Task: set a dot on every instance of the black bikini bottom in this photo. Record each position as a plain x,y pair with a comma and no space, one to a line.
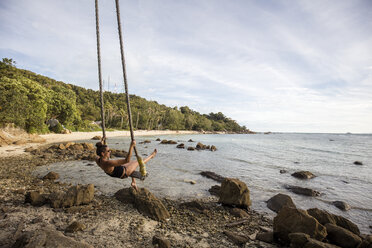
118,172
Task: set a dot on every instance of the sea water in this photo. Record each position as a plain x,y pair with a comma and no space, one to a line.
255,159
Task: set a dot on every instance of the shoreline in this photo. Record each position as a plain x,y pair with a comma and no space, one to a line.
51,138
106,221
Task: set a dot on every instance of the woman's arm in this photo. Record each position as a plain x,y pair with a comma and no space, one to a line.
130,152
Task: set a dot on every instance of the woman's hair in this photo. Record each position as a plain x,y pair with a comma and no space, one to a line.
100,148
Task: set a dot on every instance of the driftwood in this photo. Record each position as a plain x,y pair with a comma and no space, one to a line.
239,222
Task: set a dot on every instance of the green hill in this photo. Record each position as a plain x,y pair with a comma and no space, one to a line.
28,100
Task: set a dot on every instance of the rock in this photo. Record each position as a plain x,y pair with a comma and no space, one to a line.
278,201
35,198
76,147
29,149
341,205
267,237
88,146
90,157
238,212
49,238
158,139
190,148
234,192
61,146
342,237
282,171
172,142
302,240
189,181
193,205
292,220
324,217
236,238
161,242
190,140
125,196
215,190
146,141
347,224
75,226
145,202
68,144
303,175
212,175
20,142
66,131
118,153
358,163
200,146
182,145
213,148
97,138
366,243
303,191
51,176
75,196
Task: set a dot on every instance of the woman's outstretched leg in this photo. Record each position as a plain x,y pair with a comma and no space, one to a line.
132,166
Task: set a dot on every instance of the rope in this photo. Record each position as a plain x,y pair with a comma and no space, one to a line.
139,159
100,75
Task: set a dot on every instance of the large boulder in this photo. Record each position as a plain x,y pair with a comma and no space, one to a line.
303,174
324,217
292,220
145,202
49,238
75,196
302,240
278,201
234,192
342,237
366,243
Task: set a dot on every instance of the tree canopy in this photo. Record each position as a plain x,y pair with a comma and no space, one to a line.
29,100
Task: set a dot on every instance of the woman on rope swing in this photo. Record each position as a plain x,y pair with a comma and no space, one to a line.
120,168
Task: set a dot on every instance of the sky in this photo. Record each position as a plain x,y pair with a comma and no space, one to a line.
273,65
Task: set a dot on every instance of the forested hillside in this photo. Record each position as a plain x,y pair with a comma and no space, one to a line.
28,100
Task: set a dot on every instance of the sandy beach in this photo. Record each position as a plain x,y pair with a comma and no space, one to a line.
18,148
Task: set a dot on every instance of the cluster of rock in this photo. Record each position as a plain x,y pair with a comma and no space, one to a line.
71,151
304,175
199,145
74,196
312,227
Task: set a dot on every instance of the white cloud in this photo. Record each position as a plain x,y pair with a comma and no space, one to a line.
299,66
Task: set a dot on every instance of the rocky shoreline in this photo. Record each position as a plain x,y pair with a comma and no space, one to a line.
105,221
37,212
